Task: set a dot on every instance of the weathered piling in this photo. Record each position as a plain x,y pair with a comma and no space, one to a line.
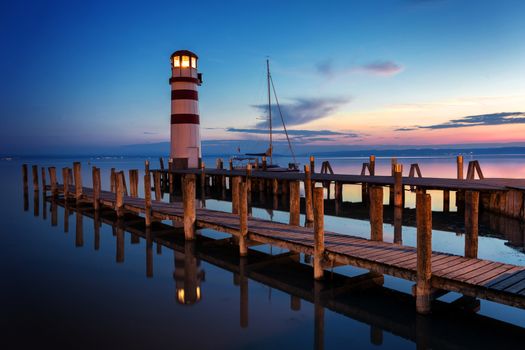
243,216
25,177
459,163
372,165
133,182
188,201
78,180
424,252
34,168
318,232
471,223
119,201
113,181
398,185
312,164
158,189
171,178
275,187
53,179
249,178
376,213
309,210
147,199
43,174
235,194
96,188
446,201
295,203
65,180
264,163
146,167
202,179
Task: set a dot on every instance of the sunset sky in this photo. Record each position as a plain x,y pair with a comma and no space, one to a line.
95,73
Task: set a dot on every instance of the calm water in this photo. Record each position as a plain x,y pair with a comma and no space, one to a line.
109,288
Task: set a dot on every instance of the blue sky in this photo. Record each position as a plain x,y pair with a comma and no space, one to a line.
93,74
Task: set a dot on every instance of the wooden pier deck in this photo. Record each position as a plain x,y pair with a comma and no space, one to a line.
503,283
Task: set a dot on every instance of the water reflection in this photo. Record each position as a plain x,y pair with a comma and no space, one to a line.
188,275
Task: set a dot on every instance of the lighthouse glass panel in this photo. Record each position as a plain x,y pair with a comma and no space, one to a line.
185,61
193,62
176,61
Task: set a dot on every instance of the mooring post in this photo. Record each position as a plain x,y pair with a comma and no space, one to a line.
275,187
146,167
398,185
318,232
203,178
308,194
158,190
147,198
235,194
338,192
188,199
312,164
25,177
446,201
393,162
424,251
249,178
43,171
65,180
264,163
243,214
34,168
96,188
78,180
171,179
372,165
376,213
134,182
459,162
53,179
113,181
471,223
119,202
295,203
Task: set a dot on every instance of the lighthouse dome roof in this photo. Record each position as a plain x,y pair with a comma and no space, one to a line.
184,52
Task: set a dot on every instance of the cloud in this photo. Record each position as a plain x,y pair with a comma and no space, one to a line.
303,110
385,68
296,132
502,118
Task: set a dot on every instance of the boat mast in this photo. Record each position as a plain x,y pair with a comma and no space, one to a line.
269,109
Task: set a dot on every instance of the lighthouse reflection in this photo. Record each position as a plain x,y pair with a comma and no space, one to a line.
188,275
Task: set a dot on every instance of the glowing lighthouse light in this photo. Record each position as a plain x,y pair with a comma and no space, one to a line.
185,124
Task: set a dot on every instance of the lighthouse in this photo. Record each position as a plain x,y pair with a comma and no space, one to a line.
185,151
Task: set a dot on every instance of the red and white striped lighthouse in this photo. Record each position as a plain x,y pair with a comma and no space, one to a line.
185,125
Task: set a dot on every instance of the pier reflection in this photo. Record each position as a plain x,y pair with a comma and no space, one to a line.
362,298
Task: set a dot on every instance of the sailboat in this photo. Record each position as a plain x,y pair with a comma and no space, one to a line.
253,157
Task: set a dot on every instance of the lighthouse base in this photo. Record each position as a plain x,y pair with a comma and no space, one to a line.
185,163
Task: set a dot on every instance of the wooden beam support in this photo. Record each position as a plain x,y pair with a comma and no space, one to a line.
318,232
235,194
459,164
295,206
34,168
308,194
243,217
96,187
471,224
424,252
119,203
147,199
188,199
53,178
376,213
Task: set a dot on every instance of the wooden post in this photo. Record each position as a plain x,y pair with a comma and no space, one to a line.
264,163
424,251
65,180
43,170
308,194
113,181
147,199
146,167
203,178
124,183
243,214
25,177
119,202
312,164
249,177
338,192
398,185
133,182
78,180
372,165
53,178
275,186
35,177
158,190
188,199
376,213
295,203
235,194
446,201
471,223
459,162
171,179
318,232
96,188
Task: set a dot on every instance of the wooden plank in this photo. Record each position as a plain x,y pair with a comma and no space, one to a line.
507,278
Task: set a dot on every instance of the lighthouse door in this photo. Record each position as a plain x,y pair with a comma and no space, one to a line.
193,157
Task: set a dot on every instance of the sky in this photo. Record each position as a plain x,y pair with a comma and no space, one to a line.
84,75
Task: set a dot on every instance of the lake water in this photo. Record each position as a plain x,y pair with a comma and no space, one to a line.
110,288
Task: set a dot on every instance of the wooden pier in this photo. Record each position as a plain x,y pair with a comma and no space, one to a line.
434,273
